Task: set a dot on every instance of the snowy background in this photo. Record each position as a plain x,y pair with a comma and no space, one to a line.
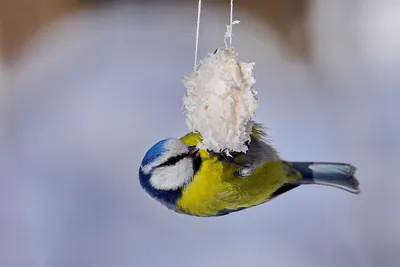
94,91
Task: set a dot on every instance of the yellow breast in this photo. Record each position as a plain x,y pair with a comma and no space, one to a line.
214,188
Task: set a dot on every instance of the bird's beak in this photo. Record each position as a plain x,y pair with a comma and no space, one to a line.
193,150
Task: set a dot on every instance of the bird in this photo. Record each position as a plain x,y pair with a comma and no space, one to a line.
194,181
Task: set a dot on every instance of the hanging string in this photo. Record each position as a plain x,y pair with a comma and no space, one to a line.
228,34
197,34
229,29
231,26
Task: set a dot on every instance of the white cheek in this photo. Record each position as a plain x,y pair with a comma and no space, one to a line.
172,177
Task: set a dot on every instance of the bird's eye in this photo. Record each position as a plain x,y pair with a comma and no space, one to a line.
173,160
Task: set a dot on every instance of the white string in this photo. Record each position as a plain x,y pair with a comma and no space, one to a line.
229,29
197,34
228,33
231,25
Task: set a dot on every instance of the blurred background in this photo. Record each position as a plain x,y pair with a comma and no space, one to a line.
86,87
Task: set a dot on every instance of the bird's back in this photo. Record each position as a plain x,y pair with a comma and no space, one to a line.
215,190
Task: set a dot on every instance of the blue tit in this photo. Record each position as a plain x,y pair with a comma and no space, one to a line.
197,182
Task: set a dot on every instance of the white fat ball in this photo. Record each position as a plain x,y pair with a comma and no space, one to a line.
220,101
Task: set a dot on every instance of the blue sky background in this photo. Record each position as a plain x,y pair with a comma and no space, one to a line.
94,91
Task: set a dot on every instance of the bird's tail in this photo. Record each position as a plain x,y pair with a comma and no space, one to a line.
340,175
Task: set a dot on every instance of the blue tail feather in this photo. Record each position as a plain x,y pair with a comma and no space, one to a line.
340,175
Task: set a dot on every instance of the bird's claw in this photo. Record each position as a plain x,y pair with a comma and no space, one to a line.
231,160
243,170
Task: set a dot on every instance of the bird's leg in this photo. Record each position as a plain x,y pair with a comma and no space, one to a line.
212,153
244,170
224,157
231,160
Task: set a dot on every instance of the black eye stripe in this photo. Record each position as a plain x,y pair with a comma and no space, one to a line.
173,160
196,164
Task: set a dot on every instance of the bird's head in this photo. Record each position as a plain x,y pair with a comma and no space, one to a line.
167,167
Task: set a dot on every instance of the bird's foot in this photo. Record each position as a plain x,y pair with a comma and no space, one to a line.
231,160
244,170
224,157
